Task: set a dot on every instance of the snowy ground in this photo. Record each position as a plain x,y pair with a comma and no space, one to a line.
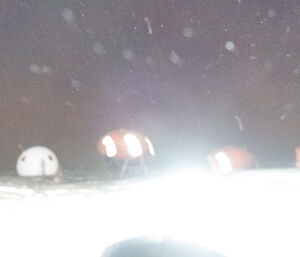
242,214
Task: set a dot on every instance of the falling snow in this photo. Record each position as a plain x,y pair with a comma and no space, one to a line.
69,104
149,60
283,117
128,54
149,26
98,48
229,45
76,84
68,15
268,65
188,32
271,13
240,122
24,100
263,21
36,69
46,69
288,107
224,50
174,58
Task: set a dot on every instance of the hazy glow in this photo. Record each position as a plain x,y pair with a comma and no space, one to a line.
150,146
134,145
110,146
223,161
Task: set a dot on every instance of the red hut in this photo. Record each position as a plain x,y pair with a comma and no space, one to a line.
231,158
125,146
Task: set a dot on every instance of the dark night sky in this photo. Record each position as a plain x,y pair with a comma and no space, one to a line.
72,70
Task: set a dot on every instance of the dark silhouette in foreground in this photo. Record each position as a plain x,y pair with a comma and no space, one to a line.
157,247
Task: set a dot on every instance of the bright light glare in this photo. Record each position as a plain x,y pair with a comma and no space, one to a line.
134,145
224,214
110,146
223,161
150,146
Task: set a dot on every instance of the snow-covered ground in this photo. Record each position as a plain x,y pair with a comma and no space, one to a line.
241,214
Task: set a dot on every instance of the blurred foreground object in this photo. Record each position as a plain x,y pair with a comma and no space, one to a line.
38,161
126,149
157,247
231,158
